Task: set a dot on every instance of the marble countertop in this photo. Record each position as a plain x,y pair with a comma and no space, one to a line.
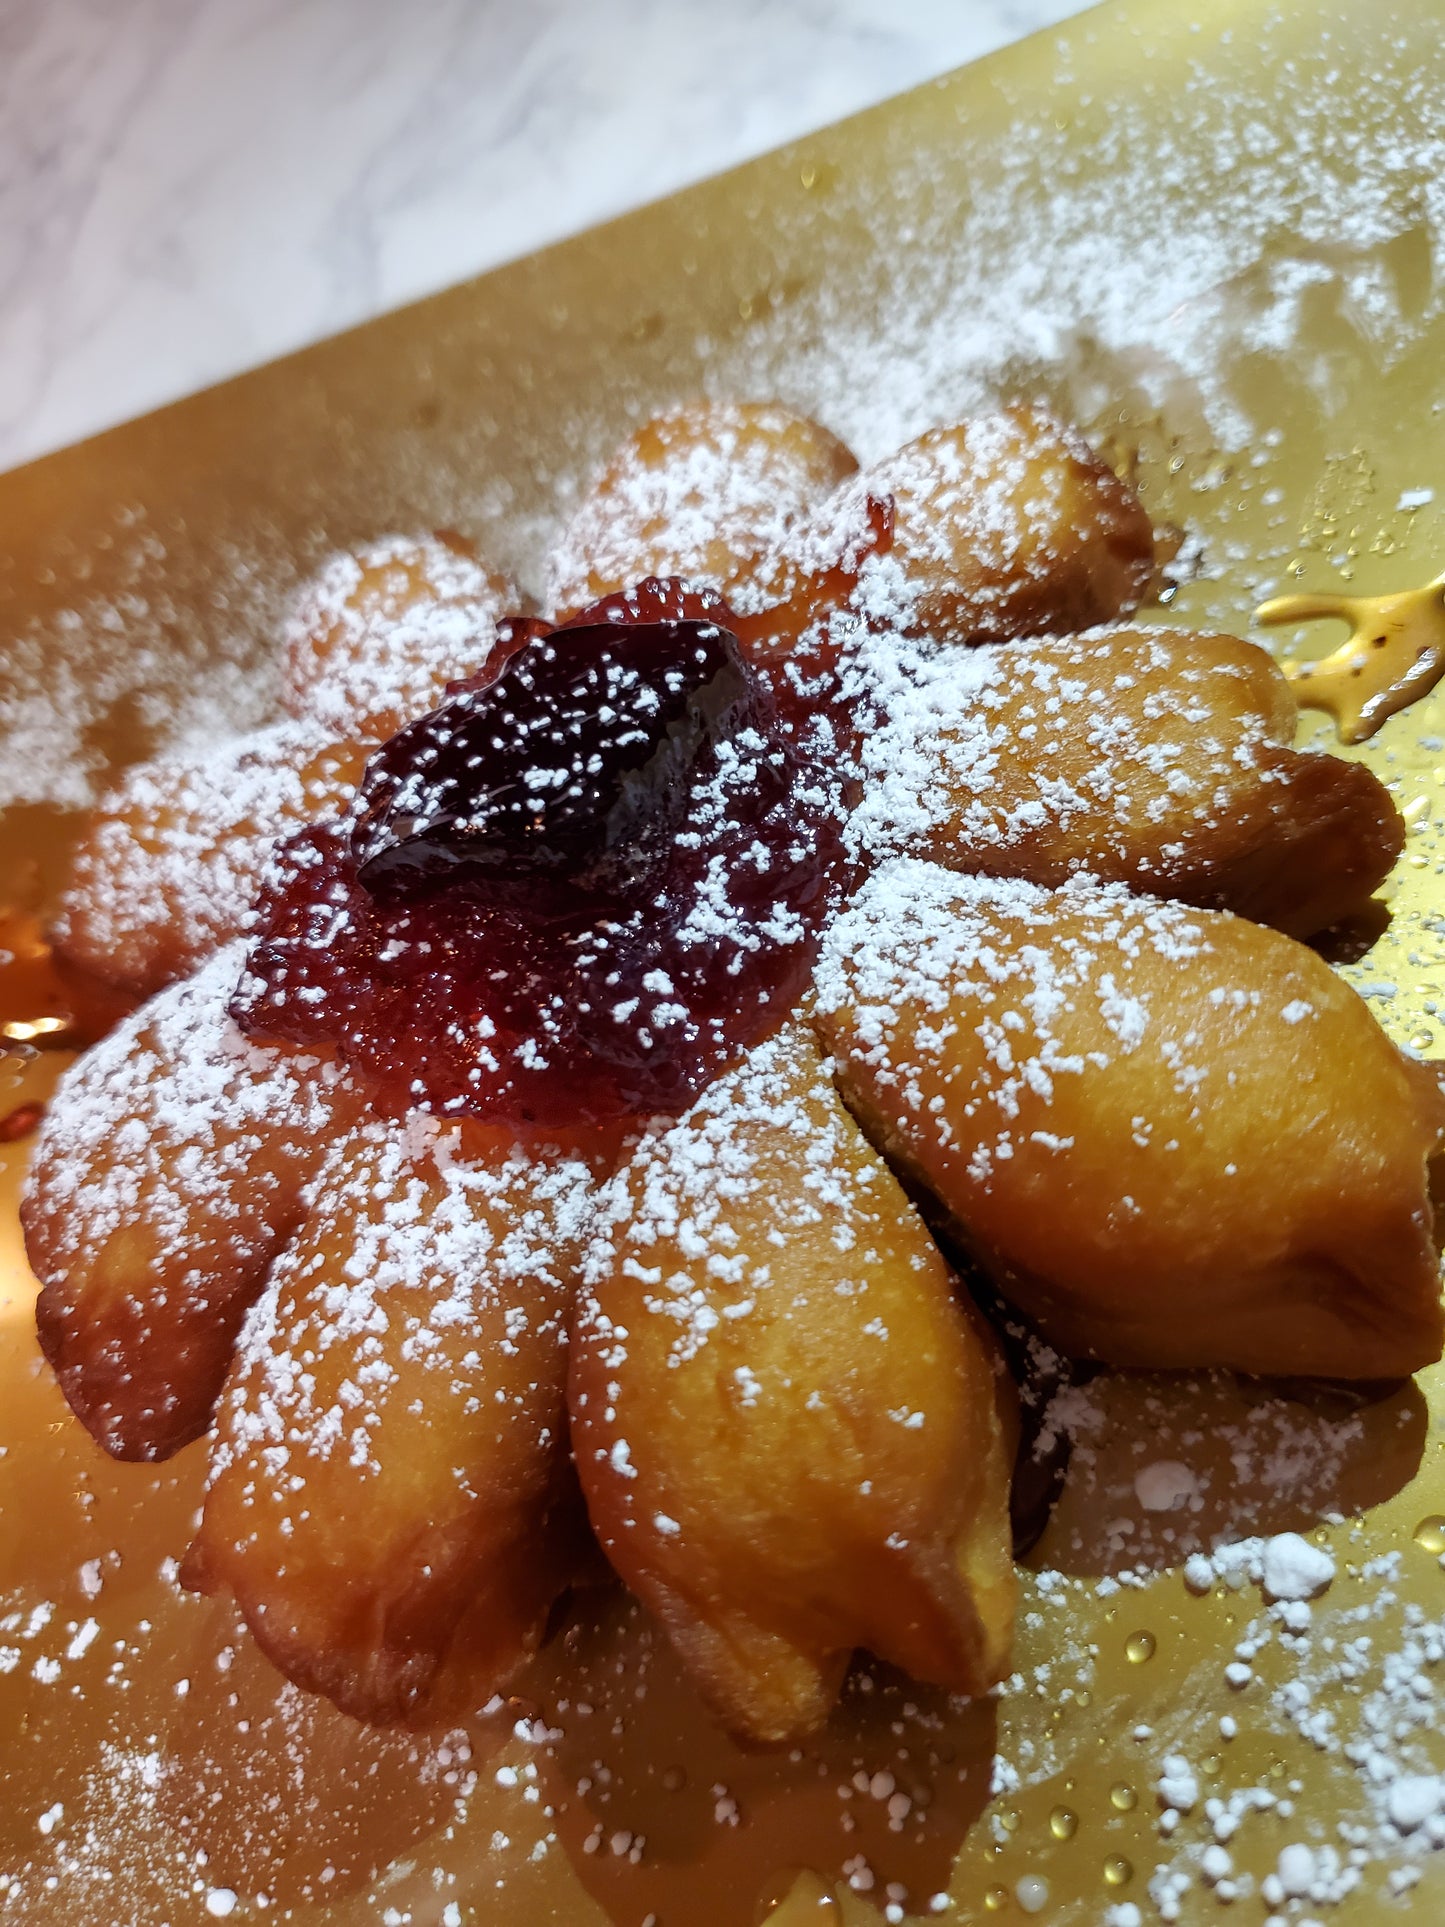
191,187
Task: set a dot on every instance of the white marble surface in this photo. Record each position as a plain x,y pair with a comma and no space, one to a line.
190,187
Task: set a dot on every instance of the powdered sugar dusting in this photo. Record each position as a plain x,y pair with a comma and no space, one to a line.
916,936
164,1118
1108,266
689,1182
139,652
375,635
174,859
973,754
435,1245
1255,216
1092,265
1295,1764
696,511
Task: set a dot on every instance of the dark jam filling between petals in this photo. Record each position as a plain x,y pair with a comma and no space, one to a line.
575,891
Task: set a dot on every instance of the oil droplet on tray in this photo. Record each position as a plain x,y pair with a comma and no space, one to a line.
996,1899
1063,1823
1138,1647
1118,1872
1122,1797
1430,1533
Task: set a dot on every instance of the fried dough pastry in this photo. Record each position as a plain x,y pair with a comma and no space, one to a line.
390,1500
790,1436
1008,525
1172,1137
172,861
703,492
169,1173
377,633
1152,758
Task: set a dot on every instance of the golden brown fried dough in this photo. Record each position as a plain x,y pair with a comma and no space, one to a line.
1152,758
788,1432
169,1172
1173,1137
375,637
702,492
1009,525
391,1501
172,860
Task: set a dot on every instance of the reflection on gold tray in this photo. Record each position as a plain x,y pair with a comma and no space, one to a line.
1173,230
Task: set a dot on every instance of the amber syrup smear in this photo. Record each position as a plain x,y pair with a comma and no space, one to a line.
1395,654
44,1002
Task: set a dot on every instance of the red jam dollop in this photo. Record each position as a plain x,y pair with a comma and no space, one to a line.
575,891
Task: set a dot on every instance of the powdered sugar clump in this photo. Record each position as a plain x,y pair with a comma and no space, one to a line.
1165,1485
1292,1568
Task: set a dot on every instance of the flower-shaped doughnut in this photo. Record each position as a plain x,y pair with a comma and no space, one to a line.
547,1146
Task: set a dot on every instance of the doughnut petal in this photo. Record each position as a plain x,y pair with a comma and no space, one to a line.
376,635
1008,525
391,1501
701,492
792,1439
172,860
1174,1138
169,1172
1152,758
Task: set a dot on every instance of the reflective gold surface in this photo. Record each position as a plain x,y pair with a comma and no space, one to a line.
147,1755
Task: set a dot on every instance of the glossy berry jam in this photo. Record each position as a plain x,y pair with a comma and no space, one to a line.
567,776
574,891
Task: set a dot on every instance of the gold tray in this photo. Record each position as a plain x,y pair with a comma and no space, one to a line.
1213,242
